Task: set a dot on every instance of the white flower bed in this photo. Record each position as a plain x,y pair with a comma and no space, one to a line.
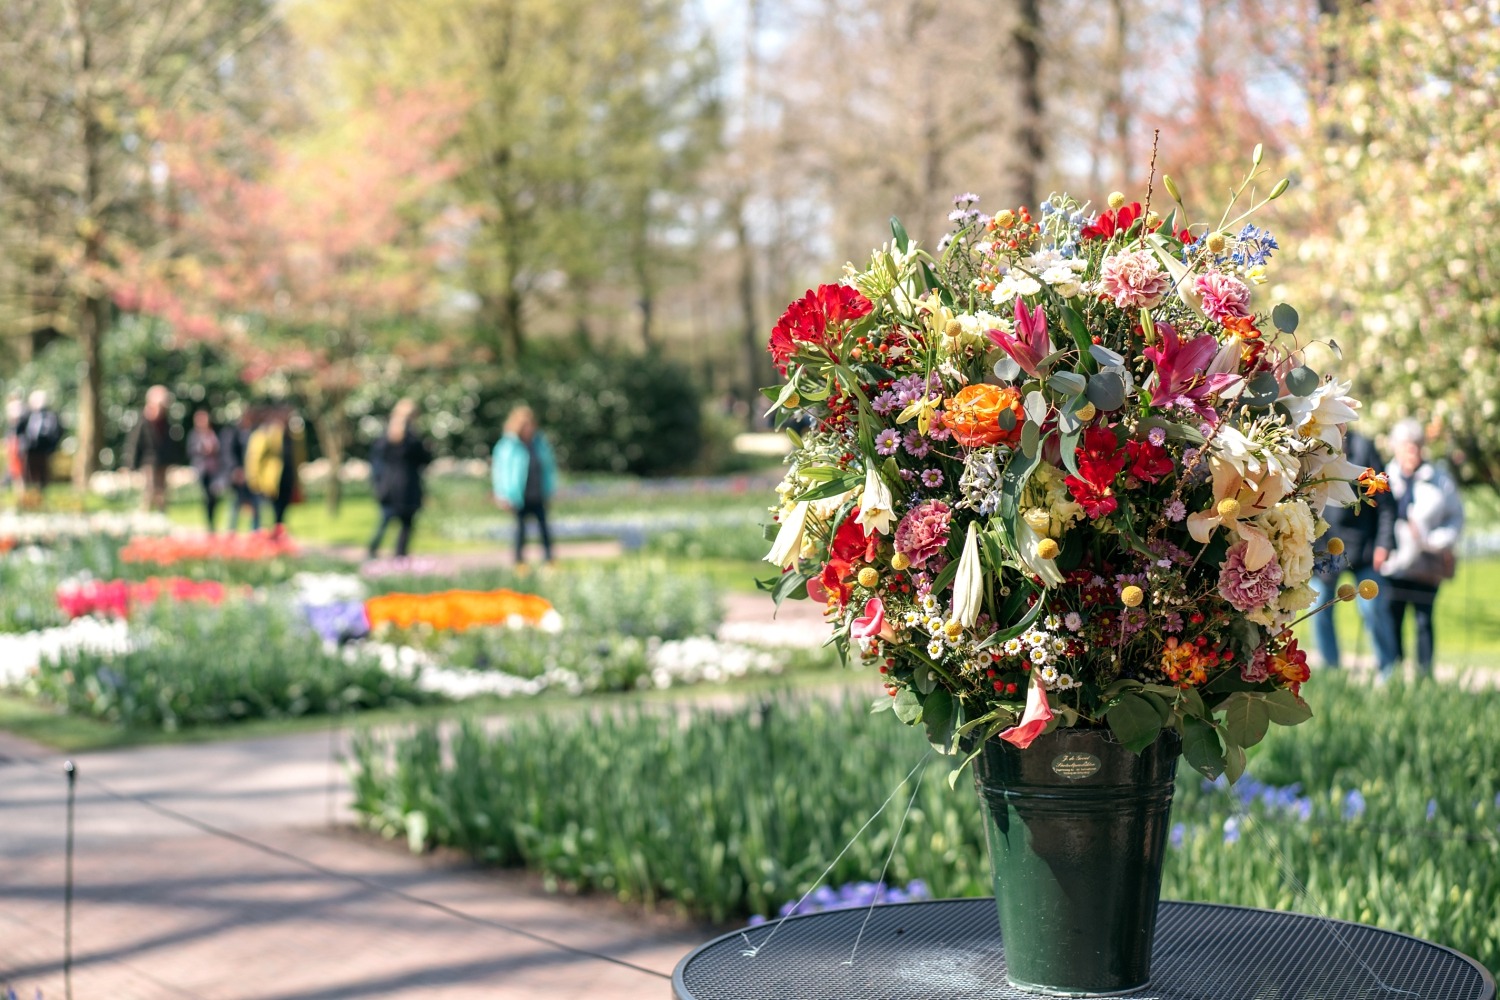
22,652
38,528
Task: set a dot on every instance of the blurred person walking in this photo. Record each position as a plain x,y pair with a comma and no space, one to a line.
206,456
1421,542
40,436
233,441
15,456
396,464
1359,528
524,476
149,446
276,452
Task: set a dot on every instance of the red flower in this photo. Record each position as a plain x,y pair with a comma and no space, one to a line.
849,545
807,319
1111,222
1148,462
1099,462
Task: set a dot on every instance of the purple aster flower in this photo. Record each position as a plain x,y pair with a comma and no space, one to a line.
1175,511
916,444
887,441
932,478
1157,436
940,432
907,475
1171,622
969,198
884,403
1073,621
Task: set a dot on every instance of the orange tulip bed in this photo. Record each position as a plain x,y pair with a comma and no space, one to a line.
457,610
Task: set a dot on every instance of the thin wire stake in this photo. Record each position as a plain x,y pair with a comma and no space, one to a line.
880,882
72,772
754,949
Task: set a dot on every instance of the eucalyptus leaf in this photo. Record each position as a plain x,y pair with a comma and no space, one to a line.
1284,318
1068,383
1106,390
1036,407
1068,422
1006,369
1007,420
1302,381
1031,439
1105,356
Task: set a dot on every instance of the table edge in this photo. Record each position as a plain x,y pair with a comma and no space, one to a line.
680,991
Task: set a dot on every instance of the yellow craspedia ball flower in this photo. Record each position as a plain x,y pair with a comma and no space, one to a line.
1132,596
1229,507
1335,546
1369,589
954,329
1215,242
900,561
1116,200
1152,220
953,630
1047,548
1005,219
869,577
1346,592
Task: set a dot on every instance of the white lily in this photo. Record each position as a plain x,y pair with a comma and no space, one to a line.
788,544
968,584
875,506
1029,538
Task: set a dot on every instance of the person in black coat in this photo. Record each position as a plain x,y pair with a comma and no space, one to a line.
1361,528
396,464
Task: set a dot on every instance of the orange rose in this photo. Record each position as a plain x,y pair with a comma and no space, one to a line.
974,415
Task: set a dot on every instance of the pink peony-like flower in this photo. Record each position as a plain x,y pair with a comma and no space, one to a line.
1224,296
1135,280
923,532
1259,667
1246,589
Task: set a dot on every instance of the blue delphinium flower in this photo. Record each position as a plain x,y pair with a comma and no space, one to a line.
1354,805
1253,246
1432,810
1232,830
1177,836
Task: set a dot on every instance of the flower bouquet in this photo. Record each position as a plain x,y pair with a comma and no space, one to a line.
1068,471
1063,477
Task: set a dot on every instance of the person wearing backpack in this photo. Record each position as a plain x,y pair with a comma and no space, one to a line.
40,437
276,451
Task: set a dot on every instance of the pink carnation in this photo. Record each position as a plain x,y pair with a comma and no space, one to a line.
1259,667
1135,280
1224,296
923,532
1245,589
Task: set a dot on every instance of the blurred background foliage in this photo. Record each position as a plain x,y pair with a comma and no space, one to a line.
600,206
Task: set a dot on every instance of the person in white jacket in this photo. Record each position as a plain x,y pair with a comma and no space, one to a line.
1417,550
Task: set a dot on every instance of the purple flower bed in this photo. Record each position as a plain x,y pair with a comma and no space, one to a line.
853,896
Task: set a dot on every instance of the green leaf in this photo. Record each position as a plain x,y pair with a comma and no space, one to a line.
1068,383
1078,331
1234,763
1106,390
1302,381
1007,420
1286,709
899,232
1106,357
1200,745
1016,474
1134,721
1284,318
1006,369
1031,439
1245,719
1036,407
1004,635
832,488
1068,445
792,585
938,715
908,707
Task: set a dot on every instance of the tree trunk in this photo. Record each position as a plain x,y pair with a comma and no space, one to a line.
753,344
1026,124
331,439
90,427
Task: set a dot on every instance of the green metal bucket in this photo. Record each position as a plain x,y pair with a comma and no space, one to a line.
1077,832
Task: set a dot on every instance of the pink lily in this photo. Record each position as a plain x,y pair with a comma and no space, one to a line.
1182,377
873,624
1029,344
1038,713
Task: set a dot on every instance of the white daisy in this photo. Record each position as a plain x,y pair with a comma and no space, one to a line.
1038,655
935,648
1013,646
1049,676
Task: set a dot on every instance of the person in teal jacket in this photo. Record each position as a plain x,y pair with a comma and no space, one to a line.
524,475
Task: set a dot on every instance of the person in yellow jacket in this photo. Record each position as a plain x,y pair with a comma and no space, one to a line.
276,450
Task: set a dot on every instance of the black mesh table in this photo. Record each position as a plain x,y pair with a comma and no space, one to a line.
951,950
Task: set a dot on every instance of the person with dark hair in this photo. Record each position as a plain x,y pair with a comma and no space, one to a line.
1358,527
206,456
40,437
524,475
233,441
396,464
1421,539
149,446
